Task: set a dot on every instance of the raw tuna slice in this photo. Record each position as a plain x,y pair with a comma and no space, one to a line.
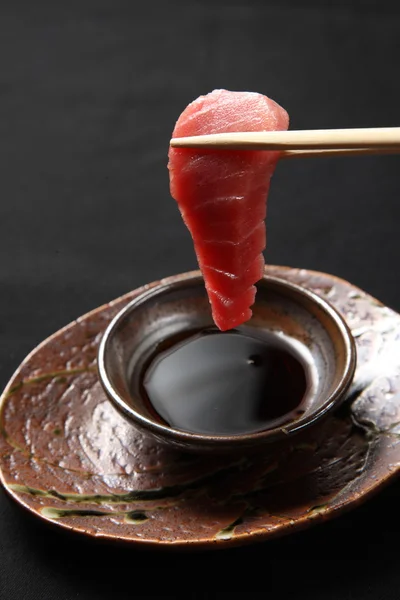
222,196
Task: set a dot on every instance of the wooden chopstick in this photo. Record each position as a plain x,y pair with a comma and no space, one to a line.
339,152
369,139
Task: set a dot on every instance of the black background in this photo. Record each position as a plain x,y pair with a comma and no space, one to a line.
89,93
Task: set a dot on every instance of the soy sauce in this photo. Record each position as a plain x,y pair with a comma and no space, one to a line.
226,383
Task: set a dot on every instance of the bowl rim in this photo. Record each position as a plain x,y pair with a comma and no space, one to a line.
187,438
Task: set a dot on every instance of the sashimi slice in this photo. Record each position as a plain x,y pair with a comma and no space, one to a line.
232,257
233,284
233,309
222,197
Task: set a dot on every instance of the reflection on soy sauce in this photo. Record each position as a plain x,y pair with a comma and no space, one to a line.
226,383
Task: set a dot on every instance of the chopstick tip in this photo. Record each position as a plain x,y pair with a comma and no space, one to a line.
174,143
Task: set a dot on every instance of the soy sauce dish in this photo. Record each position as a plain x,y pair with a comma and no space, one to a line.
170,372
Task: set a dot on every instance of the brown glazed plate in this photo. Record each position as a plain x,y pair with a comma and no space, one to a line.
71,459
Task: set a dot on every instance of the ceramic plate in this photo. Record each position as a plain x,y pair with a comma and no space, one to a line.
68,457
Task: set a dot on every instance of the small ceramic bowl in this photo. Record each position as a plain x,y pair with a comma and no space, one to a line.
180,306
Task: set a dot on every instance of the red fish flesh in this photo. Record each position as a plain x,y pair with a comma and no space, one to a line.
222,197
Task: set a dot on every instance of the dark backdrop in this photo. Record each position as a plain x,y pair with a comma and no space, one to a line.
89,93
